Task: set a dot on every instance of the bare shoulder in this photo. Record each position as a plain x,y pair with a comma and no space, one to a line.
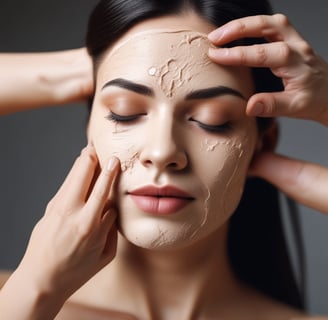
259,306
4,275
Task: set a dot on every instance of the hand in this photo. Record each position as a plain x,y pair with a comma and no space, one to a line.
77,235
288,55
305,182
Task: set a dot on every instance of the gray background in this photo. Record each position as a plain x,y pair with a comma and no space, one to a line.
38,147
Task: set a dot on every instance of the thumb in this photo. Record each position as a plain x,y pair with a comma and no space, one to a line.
271,104
303,181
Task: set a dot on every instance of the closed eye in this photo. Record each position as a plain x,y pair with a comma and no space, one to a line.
114,117
221,128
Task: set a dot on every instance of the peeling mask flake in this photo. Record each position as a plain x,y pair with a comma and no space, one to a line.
173,65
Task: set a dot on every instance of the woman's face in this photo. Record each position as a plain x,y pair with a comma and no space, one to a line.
177,122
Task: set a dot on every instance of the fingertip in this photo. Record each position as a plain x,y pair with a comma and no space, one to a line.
112,163
256,109
212,36
216,35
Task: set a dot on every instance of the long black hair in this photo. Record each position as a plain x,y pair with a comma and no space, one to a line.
257,247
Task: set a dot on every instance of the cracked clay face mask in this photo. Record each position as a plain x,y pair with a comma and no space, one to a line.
176,119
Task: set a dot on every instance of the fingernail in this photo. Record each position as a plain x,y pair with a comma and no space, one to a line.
216,35
257,110
111,164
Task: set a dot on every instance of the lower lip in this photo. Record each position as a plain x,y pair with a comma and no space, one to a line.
160,205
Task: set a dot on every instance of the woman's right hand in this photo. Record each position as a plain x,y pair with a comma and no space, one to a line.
75,238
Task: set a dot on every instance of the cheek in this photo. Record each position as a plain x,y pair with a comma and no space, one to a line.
109,140
222,173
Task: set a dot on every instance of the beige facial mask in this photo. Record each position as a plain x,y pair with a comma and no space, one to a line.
173,63
174,59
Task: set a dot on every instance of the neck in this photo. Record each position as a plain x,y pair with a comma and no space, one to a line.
168,284
179,280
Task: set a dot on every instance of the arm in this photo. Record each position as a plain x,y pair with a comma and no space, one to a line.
29,80
73,241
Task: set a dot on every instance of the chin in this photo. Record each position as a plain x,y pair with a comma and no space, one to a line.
161,233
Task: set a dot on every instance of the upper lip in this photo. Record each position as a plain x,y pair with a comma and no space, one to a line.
165,191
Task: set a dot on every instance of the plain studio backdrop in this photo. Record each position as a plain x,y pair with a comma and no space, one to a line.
38,147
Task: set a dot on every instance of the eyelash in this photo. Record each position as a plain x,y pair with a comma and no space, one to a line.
118,118
222,128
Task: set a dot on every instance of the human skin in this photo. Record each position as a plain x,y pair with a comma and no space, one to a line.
30,80
108,291
288,55
150,276
304,74
167,146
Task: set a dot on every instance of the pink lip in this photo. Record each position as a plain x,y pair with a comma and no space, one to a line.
164,200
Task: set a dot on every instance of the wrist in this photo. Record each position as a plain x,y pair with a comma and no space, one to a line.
71,78
31,80
35,301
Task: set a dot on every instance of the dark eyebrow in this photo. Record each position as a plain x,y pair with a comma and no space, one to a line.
129,85
213,92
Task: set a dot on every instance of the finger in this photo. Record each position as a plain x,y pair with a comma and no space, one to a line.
305,182
274,28
77,182
108,221
268,55
101,192
110,247
273,104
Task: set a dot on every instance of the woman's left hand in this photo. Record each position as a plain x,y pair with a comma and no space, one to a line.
288,55
305,78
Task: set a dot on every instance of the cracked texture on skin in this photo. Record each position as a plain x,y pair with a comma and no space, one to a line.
129,163
180,68
178,65
172,64
235,153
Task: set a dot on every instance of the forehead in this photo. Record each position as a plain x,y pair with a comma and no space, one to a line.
168,60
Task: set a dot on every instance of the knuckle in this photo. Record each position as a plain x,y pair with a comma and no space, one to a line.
270,106
261,54
240,54
261,21
285,52
83,229
241,27
306,51
281,19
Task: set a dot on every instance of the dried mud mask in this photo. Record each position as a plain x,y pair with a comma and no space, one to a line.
172,58
172,64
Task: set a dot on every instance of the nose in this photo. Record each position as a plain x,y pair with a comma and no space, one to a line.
163,149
